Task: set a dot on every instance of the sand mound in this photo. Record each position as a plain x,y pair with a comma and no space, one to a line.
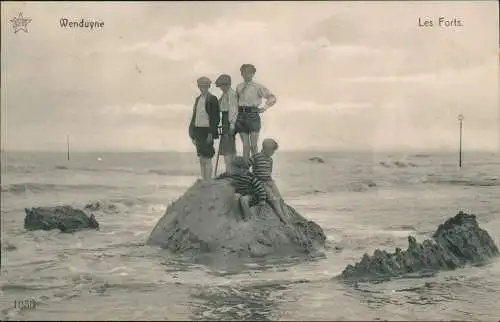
207,219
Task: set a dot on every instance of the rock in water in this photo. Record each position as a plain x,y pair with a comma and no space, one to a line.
317,159
100,206
456,243
208,219
65,218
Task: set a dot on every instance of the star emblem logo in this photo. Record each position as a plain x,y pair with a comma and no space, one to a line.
20,23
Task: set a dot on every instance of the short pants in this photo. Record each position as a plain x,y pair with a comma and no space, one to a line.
203,149
248,120
227,141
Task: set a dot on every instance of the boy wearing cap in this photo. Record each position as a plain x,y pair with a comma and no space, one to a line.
203,126
262,168
228,103
250,95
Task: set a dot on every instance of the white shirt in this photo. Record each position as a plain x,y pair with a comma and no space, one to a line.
201,118
229,103
252,93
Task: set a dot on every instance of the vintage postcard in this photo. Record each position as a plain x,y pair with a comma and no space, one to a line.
268,160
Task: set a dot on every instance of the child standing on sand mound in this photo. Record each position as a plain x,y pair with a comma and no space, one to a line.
250,95
203,126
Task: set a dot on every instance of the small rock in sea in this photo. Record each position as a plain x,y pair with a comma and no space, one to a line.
8,246
400,164
317,159
99,206
65,218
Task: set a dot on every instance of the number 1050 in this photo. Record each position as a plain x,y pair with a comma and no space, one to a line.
27,304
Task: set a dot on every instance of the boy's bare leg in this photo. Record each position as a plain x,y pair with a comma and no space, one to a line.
279,211
275,189
206,168
275,201
254,142
227,161
277,195
245,140
248,212
202,167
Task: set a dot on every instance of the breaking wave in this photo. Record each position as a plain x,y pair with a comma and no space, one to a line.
471,182
33,187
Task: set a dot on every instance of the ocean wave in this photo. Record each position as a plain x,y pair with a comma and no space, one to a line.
87,169
164,172
35,187
471,182
397,164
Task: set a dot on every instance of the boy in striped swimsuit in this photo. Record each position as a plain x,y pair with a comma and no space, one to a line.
249,190
262,167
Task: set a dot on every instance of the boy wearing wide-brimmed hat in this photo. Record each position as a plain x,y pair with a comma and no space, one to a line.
250,95
203,126
228,103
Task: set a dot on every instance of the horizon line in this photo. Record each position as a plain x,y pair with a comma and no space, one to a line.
441,150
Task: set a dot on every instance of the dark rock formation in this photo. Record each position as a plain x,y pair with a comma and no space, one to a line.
208,219
65,218
317,159
103,207
456,243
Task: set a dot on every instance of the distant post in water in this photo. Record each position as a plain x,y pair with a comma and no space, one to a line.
460,119
67,143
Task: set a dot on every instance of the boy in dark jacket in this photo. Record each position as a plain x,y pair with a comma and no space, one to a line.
203,126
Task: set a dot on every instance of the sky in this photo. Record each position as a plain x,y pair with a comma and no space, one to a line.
347,75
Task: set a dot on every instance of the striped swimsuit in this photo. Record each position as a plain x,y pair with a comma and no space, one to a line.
262,166
247,184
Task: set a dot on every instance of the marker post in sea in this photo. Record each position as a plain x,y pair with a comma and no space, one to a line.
67,143
460,119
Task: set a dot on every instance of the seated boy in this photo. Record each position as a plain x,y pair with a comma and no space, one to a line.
262,167
249,189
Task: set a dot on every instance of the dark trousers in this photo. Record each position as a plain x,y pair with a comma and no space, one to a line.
203,149
227,141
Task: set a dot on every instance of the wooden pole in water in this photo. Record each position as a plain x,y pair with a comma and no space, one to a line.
67,143
460,118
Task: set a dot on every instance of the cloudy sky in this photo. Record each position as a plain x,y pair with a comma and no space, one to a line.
348,75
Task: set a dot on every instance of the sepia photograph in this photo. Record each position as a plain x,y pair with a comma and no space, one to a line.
250,161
